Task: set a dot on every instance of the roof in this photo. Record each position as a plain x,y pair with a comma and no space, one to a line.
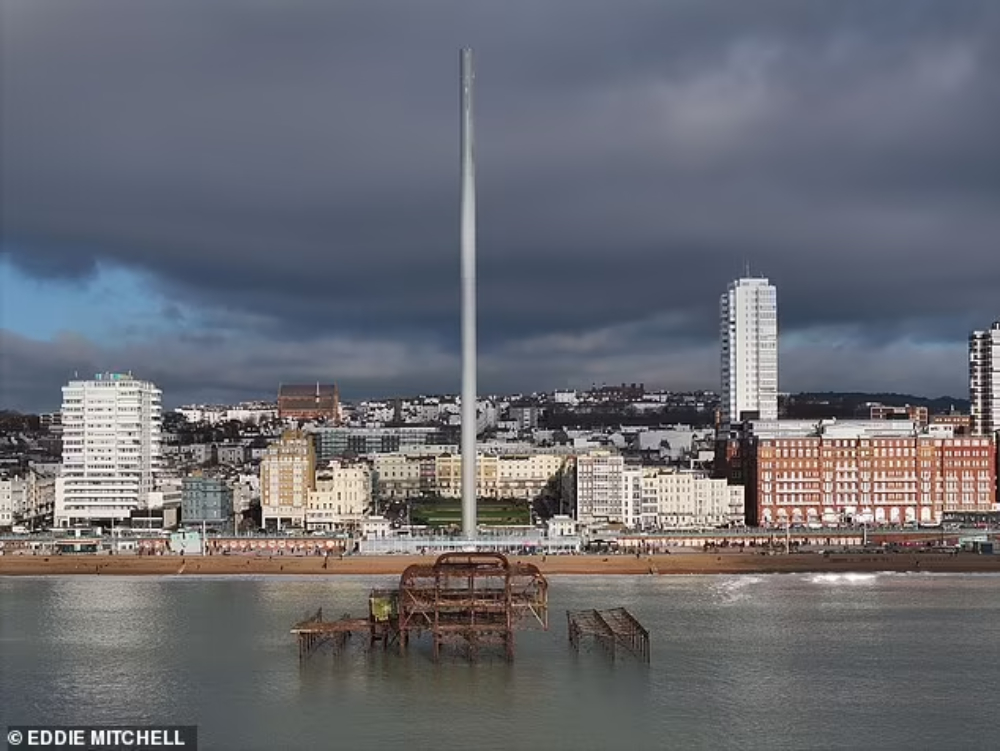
312,389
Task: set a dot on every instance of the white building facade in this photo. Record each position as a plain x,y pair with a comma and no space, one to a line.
749,339
648,498
984,380
342,498
111,449
517,476
600,481
692,500
13,491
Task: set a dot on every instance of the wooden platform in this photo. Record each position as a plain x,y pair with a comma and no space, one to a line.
313,632
344,625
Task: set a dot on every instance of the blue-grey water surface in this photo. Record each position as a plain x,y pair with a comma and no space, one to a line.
771,662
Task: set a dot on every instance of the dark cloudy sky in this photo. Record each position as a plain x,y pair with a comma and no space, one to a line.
224,195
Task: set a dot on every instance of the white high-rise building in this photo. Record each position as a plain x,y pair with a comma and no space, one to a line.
600,488
749,328
111,449
984,380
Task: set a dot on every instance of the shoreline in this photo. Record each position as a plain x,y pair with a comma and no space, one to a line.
585,565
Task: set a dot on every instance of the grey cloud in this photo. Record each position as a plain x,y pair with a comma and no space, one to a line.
225,368
298,161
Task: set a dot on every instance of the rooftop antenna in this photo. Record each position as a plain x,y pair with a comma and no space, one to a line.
468,238
746,269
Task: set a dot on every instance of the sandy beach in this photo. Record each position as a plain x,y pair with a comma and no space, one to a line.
684,563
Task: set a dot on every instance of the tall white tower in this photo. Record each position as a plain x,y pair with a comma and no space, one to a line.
749,329
468,234
984,380
111,449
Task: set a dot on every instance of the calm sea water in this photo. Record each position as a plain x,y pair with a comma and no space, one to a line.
772,662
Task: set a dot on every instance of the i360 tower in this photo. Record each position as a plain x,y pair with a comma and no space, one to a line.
468,232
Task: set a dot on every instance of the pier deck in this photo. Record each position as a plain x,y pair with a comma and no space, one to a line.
313,632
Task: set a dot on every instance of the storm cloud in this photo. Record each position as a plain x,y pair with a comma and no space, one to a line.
290,172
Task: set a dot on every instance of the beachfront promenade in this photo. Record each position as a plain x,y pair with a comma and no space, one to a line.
689,552
728,562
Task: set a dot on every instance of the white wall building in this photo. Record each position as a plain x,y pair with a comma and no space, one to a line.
111,448
646,498
40,494
749,332
600,479
168,490
560,525
342,498
693,500
13,491
246,490
632,500
565,397
984,380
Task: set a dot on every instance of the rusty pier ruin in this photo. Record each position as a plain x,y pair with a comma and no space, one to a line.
611,629
474,601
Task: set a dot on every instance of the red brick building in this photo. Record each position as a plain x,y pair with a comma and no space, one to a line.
312,402
830,478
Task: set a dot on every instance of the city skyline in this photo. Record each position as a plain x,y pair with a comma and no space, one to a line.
232,209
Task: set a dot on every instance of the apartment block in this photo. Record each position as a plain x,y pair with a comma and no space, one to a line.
840,473
111,449
685,500
600,479
504,476
206,499
399,476
40,495
648,498
984,380
287,476
748,314
13,492
342,497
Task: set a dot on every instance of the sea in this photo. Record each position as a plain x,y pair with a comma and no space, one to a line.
784,661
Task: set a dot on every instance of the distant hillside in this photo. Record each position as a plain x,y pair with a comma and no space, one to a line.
846,405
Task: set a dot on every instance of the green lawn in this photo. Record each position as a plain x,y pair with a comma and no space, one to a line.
449,512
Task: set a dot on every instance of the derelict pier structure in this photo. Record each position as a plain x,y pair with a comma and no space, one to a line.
473,601
614,630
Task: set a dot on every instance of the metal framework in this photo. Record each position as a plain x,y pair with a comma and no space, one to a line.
475,599
611,629
313,632
472,599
